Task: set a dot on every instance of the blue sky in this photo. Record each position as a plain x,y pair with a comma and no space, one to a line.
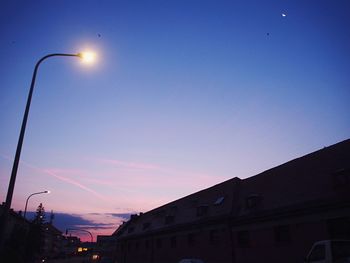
183,95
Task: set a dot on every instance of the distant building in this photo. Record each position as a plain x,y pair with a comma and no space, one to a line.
25,242
274,216
53,241
70,245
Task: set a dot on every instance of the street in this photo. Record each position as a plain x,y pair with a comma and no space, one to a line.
69,260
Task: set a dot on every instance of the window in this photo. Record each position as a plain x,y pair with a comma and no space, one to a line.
219,201
159,213
202,210
243,238
214,236
341,179
191,239
253,201
282,234
317,253
173,242
159,243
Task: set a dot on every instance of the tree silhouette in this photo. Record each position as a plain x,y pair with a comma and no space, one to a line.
39,218
36,234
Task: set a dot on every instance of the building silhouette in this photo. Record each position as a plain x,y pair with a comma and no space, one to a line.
274,216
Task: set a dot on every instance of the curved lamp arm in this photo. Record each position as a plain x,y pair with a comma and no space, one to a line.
76,229
38,193
23,127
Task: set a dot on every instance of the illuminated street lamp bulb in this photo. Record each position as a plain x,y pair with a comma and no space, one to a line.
47,191
87,57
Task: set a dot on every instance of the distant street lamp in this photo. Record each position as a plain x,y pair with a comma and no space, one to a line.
88,57
38,193
77,229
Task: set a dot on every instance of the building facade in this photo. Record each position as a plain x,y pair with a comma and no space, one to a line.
53,241
274,216
15,237
105,245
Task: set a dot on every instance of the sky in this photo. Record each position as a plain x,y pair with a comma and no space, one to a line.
182,95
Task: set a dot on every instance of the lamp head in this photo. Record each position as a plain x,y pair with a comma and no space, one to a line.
87,57
47,192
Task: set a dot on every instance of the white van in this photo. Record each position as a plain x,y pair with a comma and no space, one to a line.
329,251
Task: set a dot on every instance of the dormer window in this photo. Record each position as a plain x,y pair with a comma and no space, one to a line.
160,213
253,201
341,179
219,200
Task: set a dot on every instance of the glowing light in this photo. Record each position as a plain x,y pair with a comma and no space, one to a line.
283,14
47,191
88,57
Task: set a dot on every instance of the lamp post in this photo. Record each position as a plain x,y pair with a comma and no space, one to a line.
76,229
6,208
38,193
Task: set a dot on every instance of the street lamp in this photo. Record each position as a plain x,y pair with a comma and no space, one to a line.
85,57
38,193
76,229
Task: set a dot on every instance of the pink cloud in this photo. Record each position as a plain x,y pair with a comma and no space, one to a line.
153,175
73,182
153,185
139,185
54,173
99,181
66,172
